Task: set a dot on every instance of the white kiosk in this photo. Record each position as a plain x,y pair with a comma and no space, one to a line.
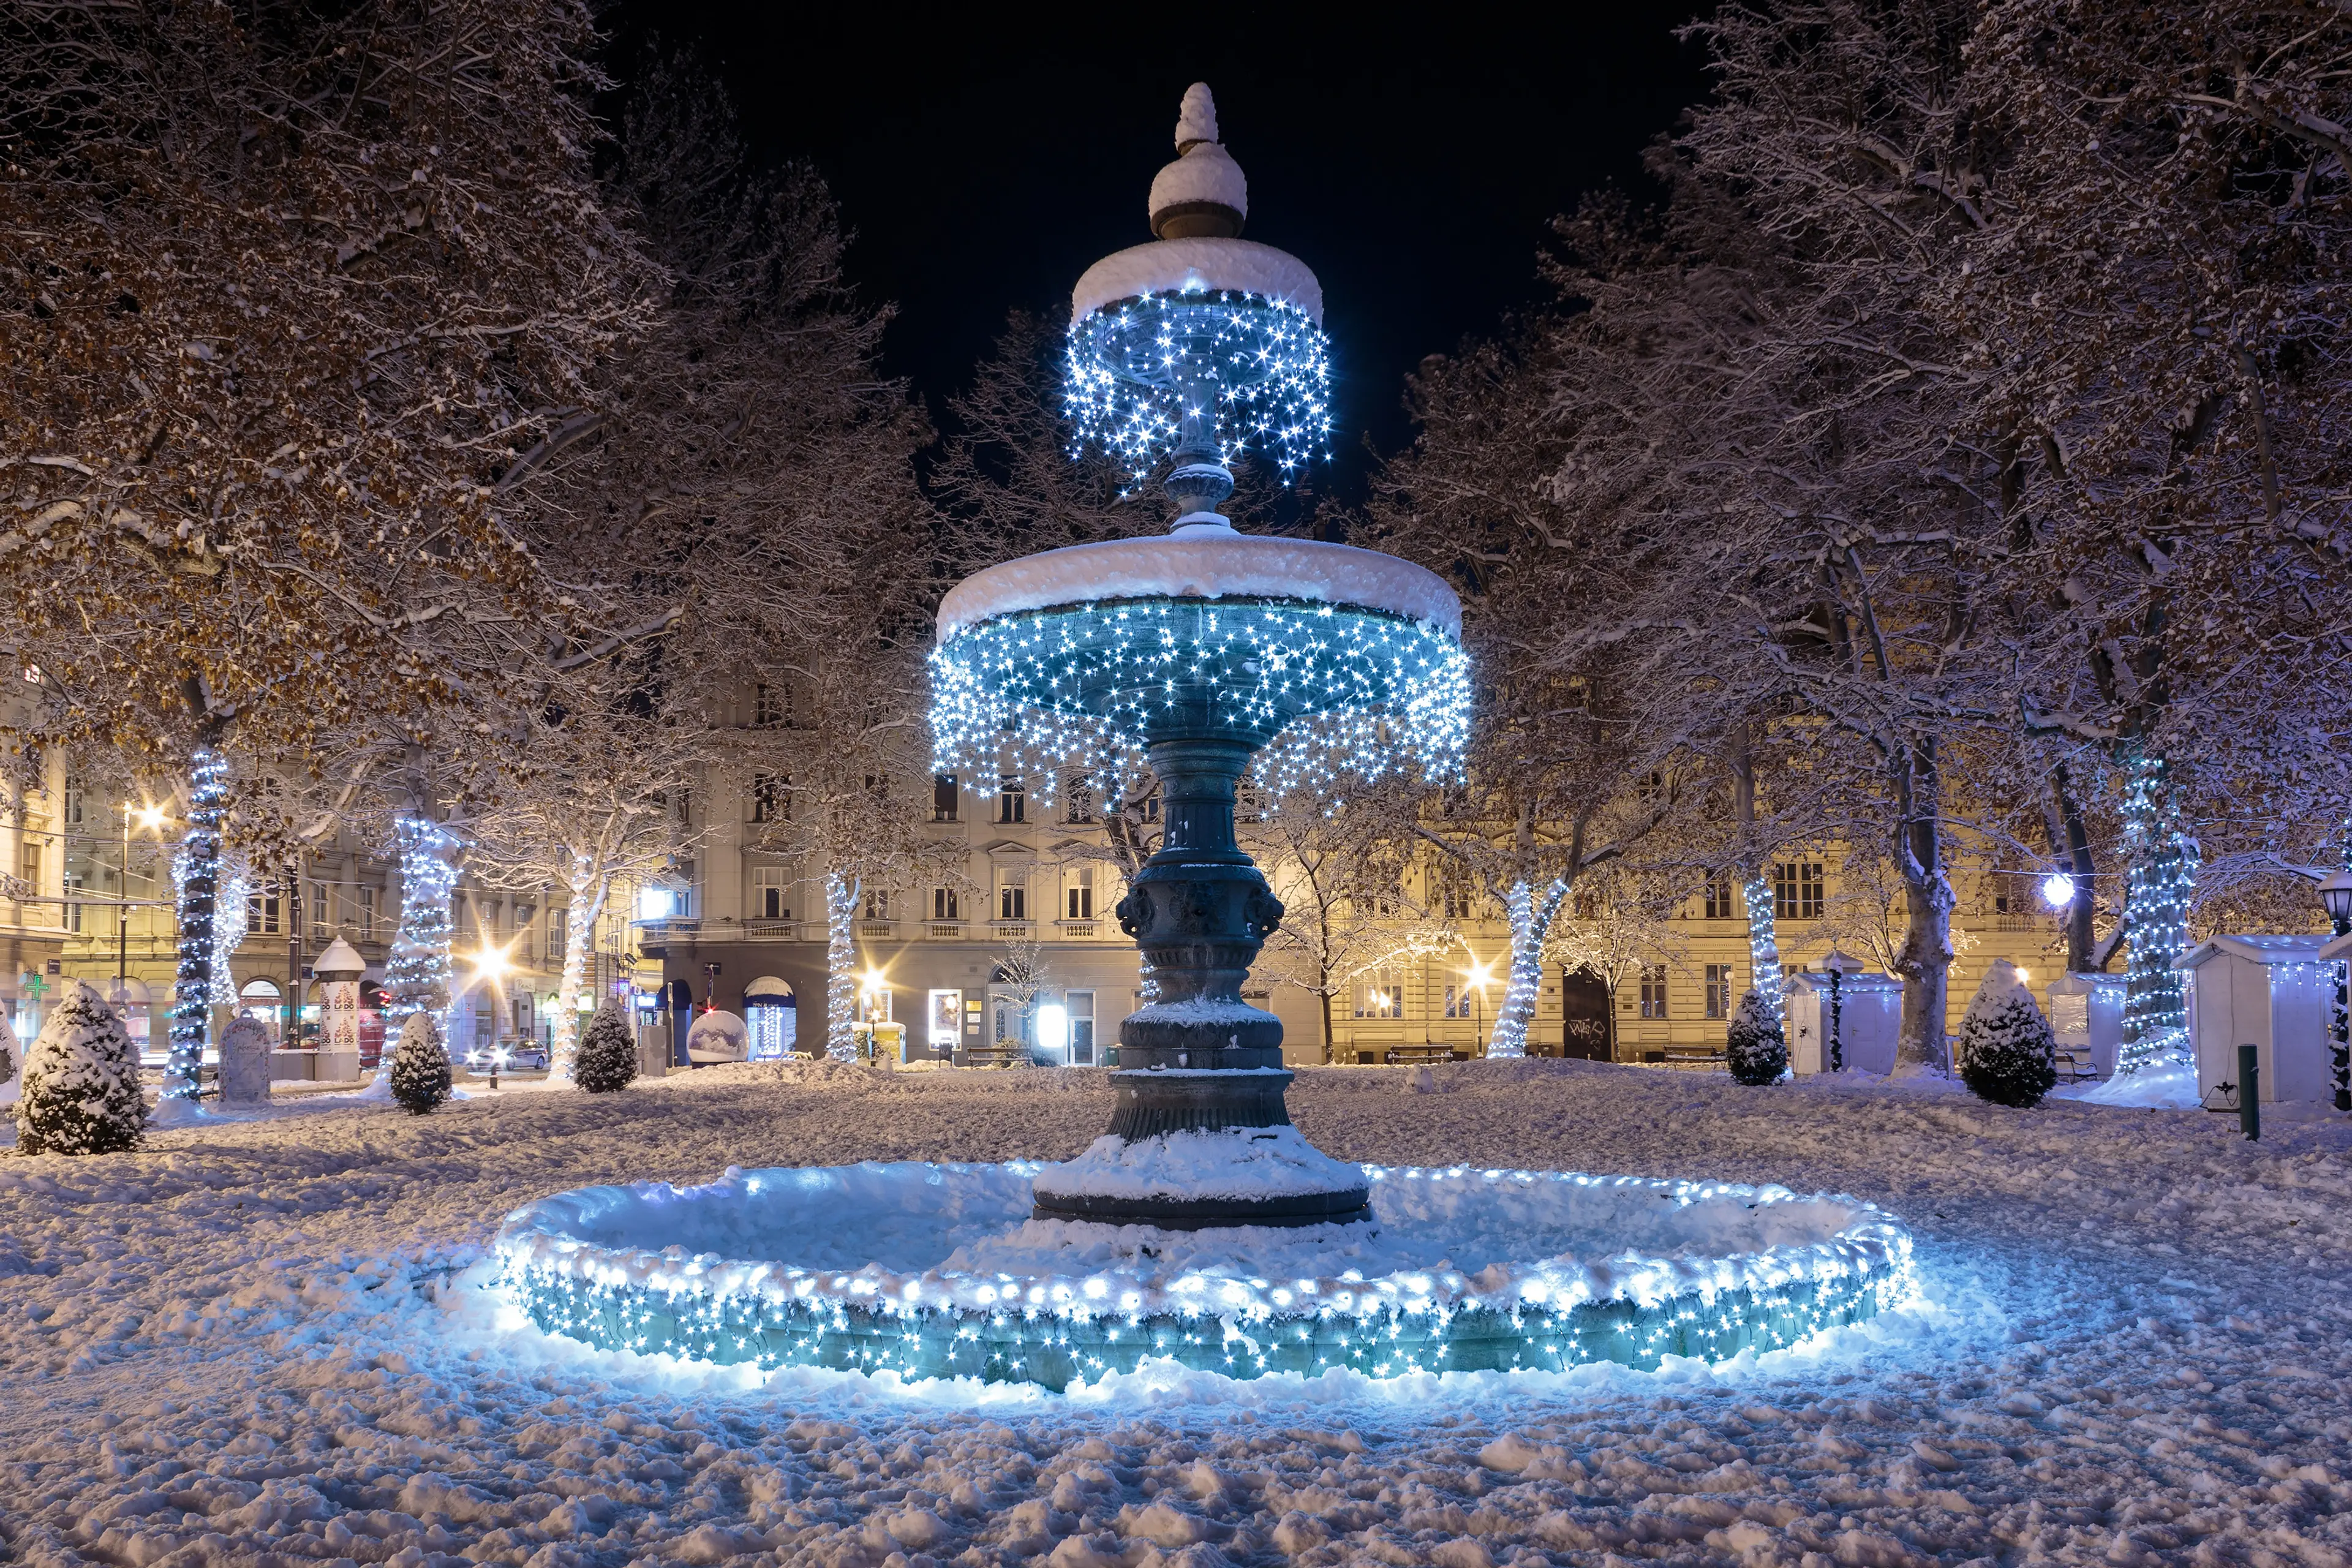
2086,1022
2273,992
1867,1010
339,972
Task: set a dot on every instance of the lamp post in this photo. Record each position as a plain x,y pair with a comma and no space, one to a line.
2336,896
1477,974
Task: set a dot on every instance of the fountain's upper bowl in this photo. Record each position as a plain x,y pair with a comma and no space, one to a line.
1198,266
1198,563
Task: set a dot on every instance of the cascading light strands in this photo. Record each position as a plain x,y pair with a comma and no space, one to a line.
1066,689
1258,369
416,974
195,871
2162,880
578,1266
1764,945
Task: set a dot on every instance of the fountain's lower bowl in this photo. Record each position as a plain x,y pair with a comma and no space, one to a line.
925,1270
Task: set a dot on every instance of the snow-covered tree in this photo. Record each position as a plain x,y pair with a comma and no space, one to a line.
2007,1052
420,1065
1755,1046
82,1081
608,1055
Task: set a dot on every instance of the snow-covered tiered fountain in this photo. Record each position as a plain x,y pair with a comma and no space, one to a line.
1202,1228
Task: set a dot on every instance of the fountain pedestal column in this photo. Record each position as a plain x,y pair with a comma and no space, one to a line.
1199,1060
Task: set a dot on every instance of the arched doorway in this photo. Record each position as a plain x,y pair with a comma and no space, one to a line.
772,1013
261,1001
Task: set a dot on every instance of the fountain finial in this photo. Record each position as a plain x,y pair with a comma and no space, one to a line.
1201,194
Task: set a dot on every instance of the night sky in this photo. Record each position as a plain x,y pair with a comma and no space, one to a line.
983,159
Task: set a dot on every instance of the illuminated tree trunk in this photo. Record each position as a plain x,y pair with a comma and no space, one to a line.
1764,946
2163,872
840,961
197,871
416,976
578,938
1531,920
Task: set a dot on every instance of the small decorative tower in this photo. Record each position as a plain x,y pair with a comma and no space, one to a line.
1196,651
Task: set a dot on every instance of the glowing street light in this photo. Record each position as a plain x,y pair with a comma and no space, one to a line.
1478,975
2058,889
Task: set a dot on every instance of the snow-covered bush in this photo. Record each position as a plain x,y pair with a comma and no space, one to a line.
1755,1047
2007,1054
608,1057
420,1067
81,1083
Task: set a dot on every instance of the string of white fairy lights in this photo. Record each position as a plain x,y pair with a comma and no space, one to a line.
1351,693
1260,369
1000,1329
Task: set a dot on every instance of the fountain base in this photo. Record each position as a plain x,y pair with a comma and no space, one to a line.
1205,1176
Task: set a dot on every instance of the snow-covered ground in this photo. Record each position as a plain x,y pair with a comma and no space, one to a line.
259,1341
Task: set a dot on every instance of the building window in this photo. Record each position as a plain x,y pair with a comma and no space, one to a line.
943,798
261,912
28,866
1011,799
945,905
878,904
1081,1005
1653,990
1147,804
1718,898
768,797
1078,799
367,914
1250,804
1458,1003
1013,897
768,894
771,707
1078,898
322,912
1719,991
75,882
72,803
1454,897
558,930
1380,998
1797,891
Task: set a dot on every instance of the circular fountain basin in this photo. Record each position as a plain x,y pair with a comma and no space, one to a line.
936,1270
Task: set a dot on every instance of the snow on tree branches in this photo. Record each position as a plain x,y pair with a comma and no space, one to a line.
2007,1052
81,1083
608,1057
420,1066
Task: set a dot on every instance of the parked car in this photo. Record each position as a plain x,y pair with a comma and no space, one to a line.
521,1056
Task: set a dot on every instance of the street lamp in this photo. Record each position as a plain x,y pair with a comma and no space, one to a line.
2335,897
150,819
1478,974
491,966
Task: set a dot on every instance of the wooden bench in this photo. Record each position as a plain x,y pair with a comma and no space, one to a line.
1002,1054
1684,1054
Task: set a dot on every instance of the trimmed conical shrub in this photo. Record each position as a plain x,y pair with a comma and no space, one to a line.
1755,1047
2007,1054
608,1057
420,1067
81,1083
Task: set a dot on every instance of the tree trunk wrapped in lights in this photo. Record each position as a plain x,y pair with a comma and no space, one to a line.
416,975
2162,878
841,895
1531,916
196,877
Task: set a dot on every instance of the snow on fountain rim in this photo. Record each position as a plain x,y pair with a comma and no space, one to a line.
1082,1270
1198,266
1202,563
1245,1162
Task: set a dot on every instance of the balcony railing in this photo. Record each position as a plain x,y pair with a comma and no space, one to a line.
1076,928
878,928
944,931
772,931
1010,930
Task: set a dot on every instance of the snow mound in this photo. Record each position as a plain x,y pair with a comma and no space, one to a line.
1202,565
1196,117
1198,266
1255,1162
2172,1088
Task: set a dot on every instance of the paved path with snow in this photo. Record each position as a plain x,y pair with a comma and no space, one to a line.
250,1344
